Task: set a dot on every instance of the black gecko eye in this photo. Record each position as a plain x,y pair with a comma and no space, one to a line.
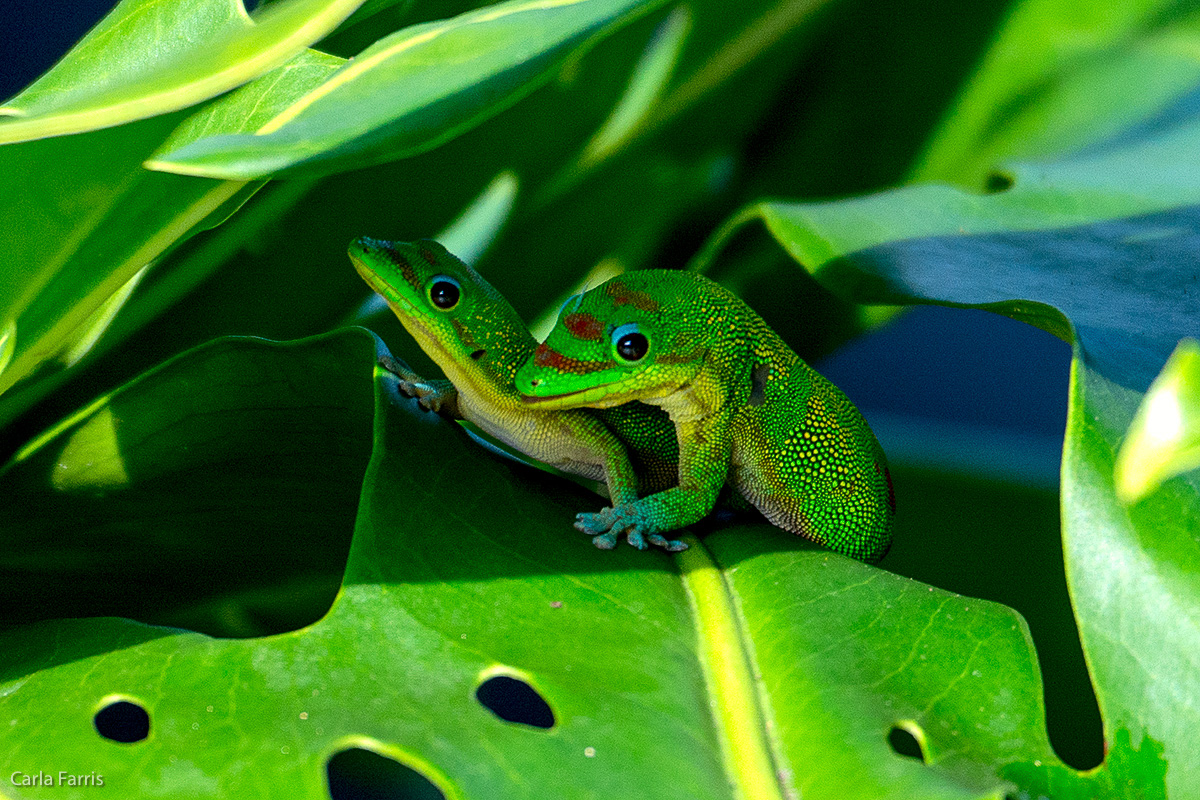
630,344
444,292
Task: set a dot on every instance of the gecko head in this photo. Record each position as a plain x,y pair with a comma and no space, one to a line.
617,342
453,313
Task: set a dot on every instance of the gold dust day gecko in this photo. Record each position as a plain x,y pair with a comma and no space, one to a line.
478,340
747,411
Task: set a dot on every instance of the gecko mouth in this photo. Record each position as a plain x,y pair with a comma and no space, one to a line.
379,284
525,398
608,400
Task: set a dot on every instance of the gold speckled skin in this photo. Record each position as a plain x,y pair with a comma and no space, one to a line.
746,409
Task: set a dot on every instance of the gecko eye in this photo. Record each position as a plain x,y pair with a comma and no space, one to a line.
444,292
630,344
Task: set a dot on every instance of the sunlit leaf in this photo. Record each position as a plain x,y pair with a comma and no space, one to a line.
409,92
111,219
1164,438
145,59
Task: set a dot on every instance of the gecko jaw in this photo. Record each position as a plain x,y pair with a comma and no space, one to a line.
607,397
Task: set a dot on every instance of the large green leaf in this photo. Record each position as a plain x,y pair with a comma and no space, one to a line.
409,92
753,665
1101,250
232,467
145,59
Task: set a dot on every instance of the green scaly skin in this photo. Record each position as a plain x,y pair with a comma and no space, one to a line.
747,410
479,341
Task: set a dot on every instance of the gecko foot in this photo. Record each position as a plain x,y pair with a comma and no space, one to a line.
410,384
607,526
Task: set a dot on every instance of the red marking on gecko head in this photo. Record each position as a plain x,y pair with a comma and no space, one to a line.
544,356
584,326
623,295
428,255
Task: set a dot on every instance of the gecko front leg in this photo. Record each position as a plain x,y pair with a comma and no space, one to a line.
438,396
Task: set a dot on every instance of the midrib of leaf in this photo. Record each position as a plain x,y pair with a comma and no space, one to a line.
727,663
361,65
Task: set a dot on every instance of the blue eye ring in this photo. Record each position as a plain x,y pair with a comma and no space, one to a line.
629,344
444,292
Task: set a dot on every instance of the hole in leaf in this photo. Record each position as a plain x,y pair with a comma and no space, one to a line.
998,182
358,774
515,700
905,743
122,721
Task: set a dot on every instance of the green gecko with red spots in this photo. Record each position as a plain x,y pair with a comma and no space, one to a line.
479,341
747,411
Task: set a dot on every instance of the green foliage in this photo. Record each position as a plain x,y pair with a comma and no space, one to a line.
1164,438
315,566
199,50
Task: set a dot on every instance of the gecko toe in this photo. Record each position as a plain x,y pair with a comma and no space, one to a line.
635,538
592,524
670,545
675,546
605,541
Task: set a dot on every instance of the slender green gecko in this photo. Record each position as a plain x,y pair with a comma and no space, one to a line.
478,340
747,410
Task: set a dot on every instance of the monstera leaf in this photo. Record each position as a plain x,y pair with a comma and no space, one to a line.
617,661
